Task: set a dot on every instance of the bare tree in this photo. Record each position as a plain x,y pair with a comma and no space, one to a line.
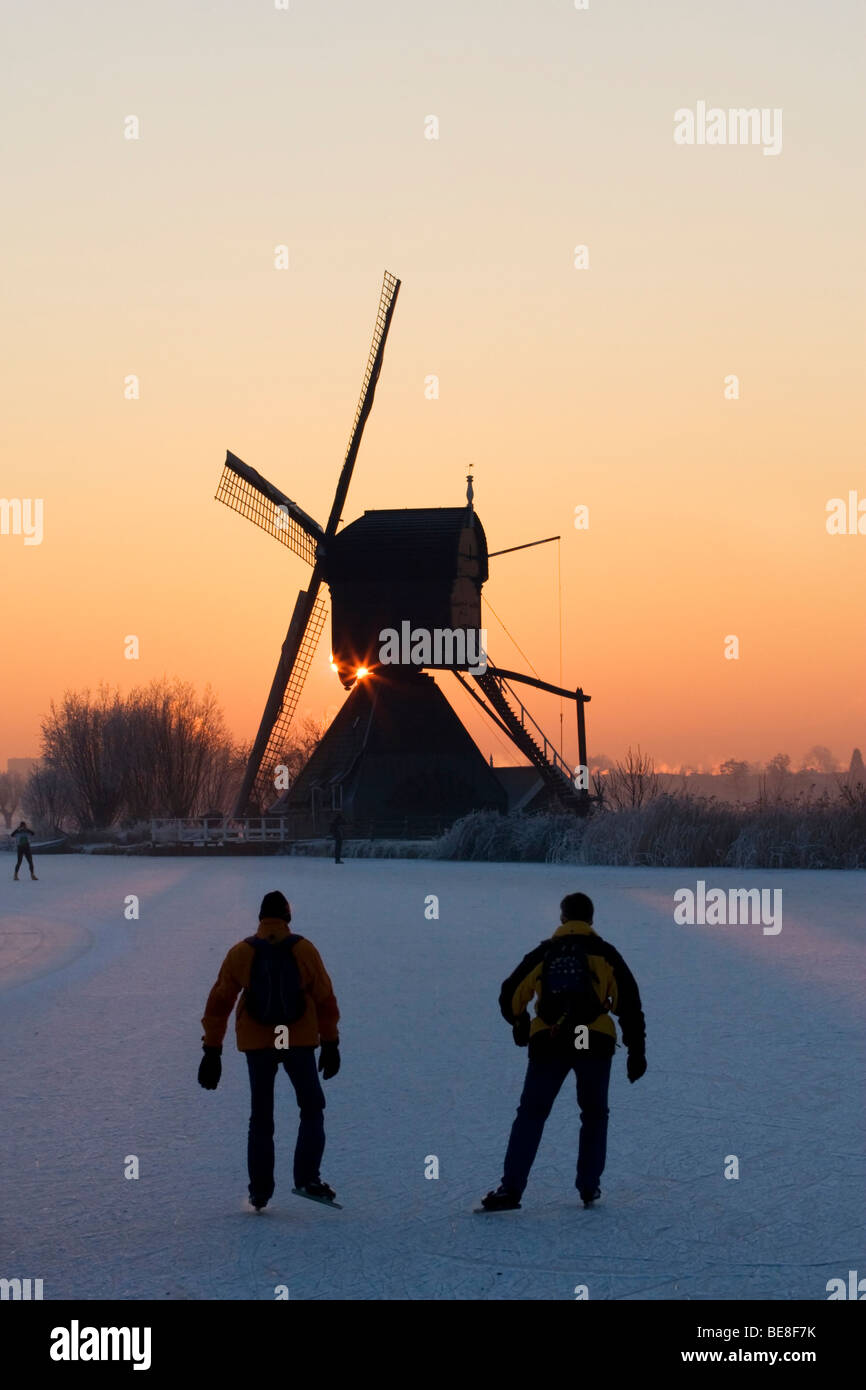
83,738
633,781
599,790
48,799
222,779
178,753
303,740
11,791
163,750
778,775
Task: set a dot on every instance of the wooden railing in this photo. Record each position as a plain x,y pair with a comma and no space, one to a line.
209,830
250,830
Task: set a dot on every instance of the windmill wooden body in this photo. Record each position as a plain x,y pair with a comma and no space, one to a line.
405,591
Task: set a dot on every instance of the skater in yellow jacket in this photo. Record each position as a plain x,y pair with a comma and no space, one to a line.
286,1010
576,980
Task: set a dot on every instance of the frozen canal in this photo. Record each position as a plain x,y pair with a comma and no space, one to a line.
755,1044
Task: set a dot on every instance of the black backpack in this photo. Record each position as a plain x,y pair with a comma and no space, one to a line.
568,996
274,995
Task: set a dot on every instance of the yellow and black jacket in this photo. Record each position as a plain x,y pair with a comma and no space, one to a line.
318,1023
614,983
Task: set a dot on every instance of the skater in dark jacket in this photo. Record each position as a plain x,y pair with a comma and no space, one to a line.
266,1047
337,831
577,980
21,835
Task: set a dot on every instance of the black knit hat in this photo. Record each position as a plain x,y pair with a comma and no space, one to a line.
576,907
275,904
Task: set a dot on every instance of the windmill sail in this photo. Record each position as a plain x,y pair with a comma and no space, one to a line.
286,691
384,314
252,495
247,492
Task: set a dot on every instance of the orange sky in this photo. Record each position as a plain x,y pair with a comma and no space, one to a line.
601,387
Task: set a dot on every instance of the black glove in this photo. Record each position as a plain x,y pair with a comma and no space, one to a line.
635,1066
329,1060
210,1068
520,1030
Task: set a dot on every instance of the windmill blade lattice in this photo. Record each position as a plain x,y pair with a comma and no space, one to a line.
390,286
264,789
384,314
247,492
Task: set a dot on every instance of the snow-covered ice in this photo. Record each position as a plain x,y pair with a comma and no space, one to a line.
755,1048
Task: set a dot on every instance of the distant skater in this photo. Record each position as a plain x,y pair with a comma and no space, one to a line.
21,835
286,1009
337,831
576,979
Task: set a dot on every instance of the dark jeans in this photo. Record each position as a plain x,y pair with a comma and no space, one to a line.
300,1063
24,854
338,848
544,1077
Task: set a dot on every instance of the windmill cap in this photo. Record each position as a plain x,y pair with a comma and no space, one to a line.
275,904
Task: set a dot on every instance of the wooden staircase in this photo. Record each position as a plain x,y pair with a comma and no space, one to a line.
554,771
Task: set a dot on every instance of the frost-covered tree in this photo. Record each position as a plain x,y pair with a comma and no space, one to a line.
83,738
303,739
47,799
632,781
163,750
178,753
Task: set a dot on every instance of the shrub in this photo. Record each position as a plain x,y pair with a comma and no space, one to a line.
673,830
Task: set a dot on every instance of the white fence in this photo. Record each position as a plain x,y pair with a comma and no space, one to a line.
209,830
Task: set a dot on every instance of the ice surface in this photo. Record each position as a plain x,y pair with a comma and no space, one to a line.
755,1047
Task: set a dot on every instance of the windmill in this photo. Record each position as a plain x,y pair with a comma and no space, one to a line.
396,747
